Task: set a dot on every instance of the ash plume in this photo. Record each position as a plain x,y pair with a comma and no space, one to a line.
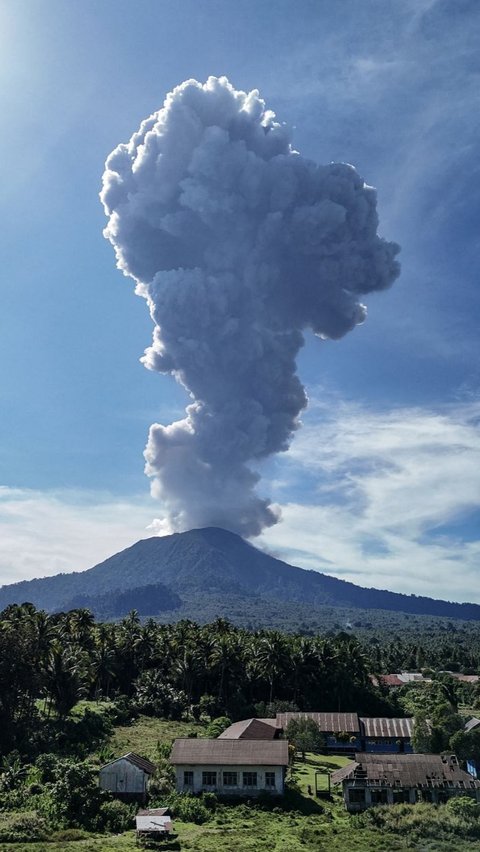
239,245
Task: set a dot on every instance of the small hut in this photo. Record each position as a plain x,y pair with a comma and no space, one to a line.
127,777
153,824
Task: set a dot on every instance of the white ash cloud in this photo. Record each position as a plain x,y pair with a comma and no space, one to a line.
239,245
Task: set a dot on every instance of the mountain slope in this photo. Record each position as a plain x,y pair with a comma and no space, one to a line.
213,563
216,565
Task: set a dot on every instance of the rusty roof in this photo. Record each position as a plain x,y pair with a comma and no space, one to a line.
407,770
382,727
230,752
327,722
249,729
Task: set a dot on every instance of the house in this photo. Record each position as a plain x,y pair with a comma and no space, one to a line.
252,729
230,767
372,780
386,735
127,777
472,724
341,730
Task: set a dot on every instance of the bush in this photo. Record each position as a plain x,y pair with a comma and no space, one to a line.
116,816
26,827
218,726
75,797
464,807
68,835
417,822
190,808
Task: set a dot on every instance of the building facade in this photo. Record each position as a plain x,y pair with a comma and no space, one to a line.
127,776
404,778
235,767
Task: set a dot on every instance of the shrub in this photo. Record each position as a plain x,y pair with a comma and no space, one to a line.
218,726
464,807
76,797
115,816
26,827
189,808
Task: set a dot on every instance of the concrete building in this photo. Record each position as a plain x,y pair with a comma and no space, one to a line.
410,778
230,767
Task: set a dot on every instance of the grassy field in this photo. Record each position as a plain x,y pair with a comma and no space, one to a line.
143,735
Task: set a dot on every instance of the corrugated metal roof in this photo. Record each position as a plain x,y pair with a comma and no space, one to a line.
139,762
471,724
153,823
153,811
382,727
327,722
249,729
407,770
230,752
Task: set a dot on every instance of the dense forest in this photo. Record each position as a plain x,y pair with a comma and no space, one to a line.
49,662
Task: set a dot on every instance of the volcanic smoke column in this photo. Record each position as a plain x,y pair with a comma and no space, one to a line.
239,245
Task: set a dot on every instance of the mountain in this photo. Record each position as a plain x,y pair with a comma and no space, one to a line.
210,572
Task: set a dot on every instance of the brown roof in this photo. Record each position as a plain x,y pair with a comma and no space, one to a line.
408,770
374,727
249,729
390,680
327,722
230,752
138,761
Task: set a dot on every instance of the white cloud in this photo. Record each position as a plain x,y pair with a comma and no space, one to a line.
45,533
387,498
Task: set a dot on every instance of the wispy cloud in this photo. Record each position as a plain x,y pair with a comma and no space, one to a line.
389,497
44,533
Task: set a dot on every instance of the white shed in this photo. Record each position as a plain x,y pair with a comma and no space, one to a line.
127,776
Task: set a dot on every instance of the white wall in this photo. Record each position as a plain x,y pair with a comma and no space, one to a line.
240,790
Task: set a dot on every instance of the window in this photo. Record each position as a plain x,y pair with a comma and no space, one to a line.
379,797
188,779
356,797
270,780
230,779
401,797
249,779
209,779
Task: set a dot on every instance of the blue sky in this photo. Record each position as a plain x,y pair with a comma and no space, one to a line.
382,484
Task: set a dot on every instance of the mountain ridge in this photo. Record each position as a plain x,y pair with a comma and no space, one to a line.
215,562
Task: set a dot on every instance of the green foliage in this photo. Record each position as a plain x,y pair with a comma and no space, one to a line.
153,696
466,744
26,827
115,816
190,808
305,735
75,797
421,736
218,726
421,821
464,807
